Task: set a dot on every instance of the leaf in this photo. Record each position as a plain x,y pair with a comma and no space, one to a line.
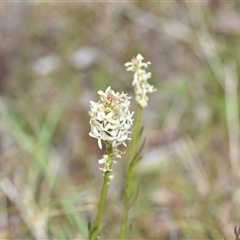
135,195
89,229
140,133
137,156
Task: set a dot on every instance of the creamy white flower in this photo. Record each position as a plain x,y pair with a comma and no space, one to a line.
136,64
110,121
103,160
111,176
140,79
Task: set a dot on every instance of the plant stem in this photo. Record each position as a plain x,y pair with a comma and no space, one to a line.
135,132
130,173
96,224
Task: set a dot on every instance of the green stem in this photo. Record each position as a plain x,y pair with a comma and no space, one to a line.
96,224
135,132
130,173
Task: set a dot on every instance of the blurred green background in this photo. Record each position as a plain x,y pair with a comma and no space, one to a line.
55,56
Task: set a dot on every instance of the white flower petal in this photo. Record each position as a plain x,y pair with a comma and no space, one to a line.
99,143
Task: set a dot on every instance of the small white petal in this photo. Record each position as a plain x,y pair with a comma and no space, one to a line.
111,176
99,143
101,161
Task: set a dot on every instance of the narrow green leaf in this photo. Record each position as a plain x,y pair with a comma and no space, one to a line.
89,229
135,195
140,133
137,156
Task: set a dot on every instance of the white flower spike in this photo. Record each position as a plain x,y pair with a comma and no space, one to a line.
110,121
140,79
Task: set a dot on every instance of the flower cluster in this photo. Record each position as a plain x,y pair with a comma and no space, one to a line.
140,79
110,121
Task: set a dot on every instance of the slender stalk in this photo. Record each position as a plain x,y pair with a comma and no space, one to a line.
135,132
96,224
130,173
